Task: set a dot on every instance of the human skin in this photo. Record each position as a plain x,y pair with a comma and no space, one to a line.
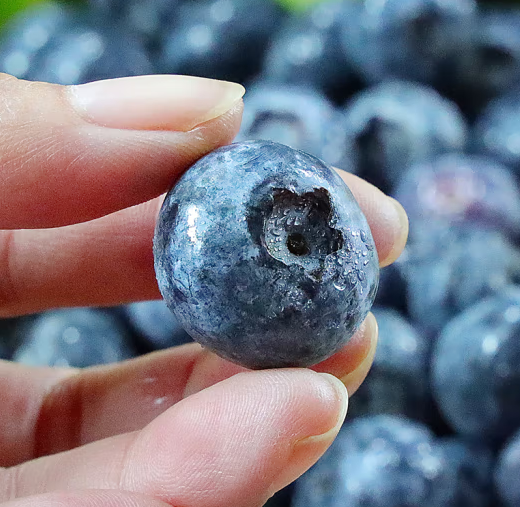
82,174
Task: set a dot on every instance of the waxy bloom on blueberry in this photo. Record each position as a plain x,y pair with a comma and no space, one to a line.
265,257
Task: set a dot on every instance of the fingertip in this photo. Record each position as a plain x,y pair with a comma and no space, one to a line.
400,233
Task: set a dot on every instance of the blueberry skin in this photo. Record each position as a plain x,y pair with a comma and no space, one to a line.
404,39
389,127
451,269
476,369
457,189
497,131
398,382
307,51
156,324
471,464
75,337
507,472
265,257
378,461
296,116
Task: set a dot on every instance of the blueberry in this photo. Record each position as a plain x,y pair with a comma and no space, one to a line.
288,114
264,256
460,190
407,39
486,63
155,324
497,131
307,51
471,463
76,337
476,368
387,128
398,381
379,461
85,51
392,288
451,269
507,472
28,34
223,39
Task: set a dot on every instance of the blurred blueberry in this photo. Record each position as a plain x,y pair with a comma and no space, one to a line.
307,51
476,368
265,257
86,51
507,472
378,461
223,39
293,115
398,382
76,337
497,131
472,464
28,34
487,62
407,39
392,288
449,270
387,128
146,18
460,190
156,324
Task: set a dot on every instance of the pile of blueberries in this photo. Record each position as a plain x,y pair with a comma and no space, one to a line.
421,98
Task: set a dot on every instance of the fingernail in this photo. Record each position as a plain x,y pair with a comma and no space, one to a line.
354,379
400,218
307,450
158,102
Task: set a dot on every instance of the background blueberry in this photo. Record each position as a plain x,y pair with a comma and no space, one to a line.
476,369
387,128
508,471
155,324
265,257
76,337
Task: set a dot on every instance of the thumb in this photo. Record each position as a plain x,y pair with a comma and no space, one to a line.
72,154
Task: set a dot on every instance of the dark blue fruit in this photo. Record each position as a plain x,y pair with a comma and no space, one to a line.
507,473
307,51
471,463
155,324
458,189
497,131
407,39
398,382
387,128
223,39
378,461
451,269
265,257
76,337
287,114
28,34
486,62
84,52
476,368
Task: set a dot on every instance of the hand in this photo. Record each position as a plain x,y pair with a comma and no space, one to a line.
82,171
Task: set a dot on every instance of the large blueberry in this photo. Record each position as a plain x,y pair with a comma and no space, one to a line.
507,472
265,257
476,368
385,129
456,189
378,461
76,337
398,381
